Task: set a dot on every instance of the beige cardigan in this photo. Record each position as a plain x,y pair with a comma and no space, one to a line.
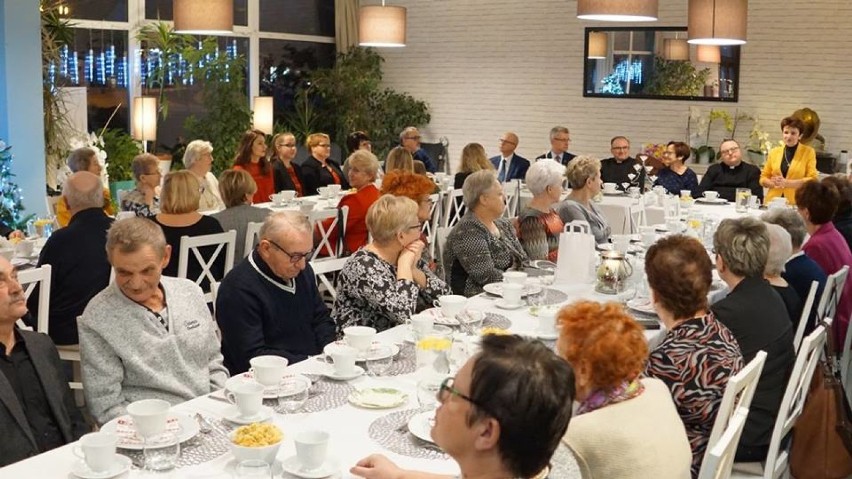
640,438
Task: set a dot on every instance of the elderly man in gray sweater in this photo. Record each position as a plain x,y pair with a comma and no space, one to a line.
146,336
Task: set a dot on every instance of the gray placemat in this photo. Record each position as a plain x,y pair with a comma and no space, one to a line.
404,363
494,320
202,448
391,432
324,394
552,296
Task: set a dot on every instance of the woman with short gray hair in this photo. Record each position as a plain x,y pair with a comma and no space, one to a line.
482,245
143,200
198,159
539,225
584,174
780,248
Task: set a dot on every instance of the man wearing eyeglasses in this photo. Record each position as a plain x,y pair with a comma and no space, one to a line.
620,168
410,140
731,173
501,416
509,166
269,304
560,140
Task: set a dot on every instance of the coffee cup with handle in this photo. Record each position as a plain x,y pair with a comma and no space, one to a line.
359,337
343,359
268,370
311,449
247,396
149,416
451,304
98,450
512,293
610,187
711,195
277,199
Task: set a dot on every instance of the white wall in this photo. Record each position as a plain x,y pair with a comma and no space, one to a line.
486,66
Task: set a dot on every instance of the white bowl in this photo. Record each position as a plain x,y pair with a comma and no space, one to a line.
262,453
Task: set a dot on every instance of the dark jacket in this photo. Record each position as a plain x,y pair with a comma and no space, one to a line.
517,169
315,176
282,178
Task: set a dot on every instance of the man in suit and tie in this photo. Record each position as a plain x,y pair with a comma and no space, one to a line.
560,139
509,166
37,410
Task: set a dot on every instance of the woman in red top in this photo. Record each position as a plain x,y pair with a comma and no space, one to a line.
363,167
287,175
251,157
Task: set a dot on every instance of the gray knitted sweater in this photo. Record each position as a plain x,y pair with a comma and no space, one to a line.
127,355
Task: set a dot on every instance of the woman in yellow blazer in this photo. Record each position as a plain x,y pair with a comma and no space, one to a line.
788,166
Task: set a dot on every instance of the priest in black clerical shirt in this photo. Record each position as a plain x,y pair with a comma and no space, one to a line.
730,174
621,168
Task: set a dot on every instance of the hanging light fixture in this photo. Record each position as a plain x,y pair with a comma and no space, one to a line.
618,11
597,44
717,22
675,49
381,26
203,16
144,124
708,53
262,114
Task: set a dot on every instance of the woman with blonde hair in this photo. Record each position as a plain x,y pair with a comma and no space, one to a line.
179,216
320,169
198,159
238,188
399,159
251,157
584,174
286,174
143,200
473,159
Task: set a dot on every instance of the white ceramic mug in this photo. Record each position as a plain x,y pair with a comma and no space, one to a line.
711,195
343,358
248,397
610,187
268,370
97,449
333,189
277,199
422,324
311,448
451,304
547,320
149,416
359,337
324,192
519,277
512,293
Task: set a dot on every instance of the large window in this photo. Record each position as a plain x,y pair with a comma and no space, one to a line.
107,10
305,17
284,66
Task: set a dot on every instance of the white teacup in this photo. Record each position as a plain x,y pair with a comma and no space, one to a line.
359,337
287,195
610,187
778,202
519,277
25,248
149,416
311,448
649,235
512,293
98,450
422,324
333,189
277,199
324,192
343,358
547,320
307,206
673,225
248,396
621,243
711,195
268,370
451,304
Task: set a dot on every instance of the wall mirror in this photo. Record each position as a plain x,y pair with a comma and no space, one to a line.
658,63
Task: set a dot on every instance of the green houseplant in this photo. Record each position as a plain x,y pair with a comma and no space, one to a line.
56,33
676,77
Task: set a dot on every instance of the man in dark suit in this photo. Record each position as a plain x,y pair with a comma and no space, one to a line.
756,315
621,168
560,140
37,411
508,165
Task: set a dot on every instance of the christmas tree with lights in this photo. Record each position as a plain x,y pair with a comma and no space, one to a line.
11,205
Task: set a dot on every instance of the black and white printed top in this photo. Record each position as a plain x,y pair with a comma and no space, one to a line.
369,293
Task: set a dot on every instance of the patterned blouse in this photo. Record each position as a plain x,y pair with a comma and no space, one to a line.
539,233
369,294
695,359
474,256
674,182
134,200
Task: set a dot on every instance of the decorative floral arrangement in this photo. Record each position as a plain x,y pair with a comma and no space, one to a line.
654,150
96,143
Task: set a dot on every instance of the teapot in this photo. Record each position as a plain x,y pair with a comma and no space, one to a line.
613,272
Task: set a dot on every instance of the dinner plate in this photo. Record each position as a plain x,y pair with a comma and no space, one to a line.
497,289
643,305
378,398
119,466
421,425
708,201
185,427
233,415
614,193
292,466
332,374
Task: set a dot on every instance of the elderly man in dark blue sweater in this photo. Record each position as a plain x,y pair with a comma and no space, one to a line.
269,303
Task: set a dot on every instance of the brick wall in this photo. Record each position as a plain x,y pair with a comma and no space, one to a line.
486,66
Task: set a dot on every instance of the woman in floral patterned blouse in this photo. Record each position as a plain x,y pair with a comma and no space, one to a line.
380,284
143,201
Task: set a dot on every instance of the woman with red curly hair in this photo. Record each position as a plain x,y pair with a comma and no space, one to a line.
609,432
417,187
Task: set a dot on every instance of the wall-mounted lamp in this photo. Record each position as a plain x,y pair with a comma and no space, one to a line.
381,26
144,124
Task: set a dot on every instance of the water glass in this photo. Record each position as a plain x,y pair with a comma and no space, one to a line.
742,199
379,360
161,452
293,393
253,468
427,391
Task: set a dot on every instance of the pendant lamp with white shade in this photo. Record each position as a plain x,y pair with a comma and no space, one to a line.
598,45
708,53
675,49
381,26
717,22
618,11
204,16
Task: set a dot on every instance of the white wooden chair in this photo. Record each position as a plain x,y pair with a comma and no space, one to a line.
637,217
222,241
805,317
831,294
719,458
512,193
252,235
323,268
453,209
791,408
432,223
324,243
441,235
29,279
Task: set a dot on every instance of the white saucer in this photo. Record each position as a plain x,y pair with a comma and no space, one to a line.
643,305
121,464
332,374
291,466
233,415
613,193
374,351
231,467
547,336
186,428
501,303
497,289
378,398
717,201
269,392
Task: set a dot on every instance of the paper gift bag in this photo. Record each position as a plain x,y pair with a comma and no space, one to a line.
576,261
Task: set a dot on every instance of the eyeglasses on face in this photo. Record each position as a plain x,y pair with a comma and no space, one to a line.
324,145
565,139
507,141
412,137
294,257
620,147
447,388
730,151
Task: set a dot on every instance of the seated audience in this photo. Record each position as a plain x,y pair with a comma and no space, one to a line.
621,168
37,410
179,217
143,200
269,303
319,169
357,140
731,173
584,174
251,156
380,284
363,167
676,176
237,188
286,175
507,164
473,159
842,218
698,354
539,225
418,188
399,159
757,317
409,138
501,416
83,159
560,140
198,160
817,203
482,245
608,434
780,249
790,166
146,336
77,257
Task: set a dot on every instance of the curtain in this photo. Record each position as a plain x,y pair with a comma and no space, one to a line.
345,24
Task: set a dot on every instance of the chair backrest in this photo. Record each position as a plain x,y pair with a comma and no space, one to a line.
323,268
831,294
805,317
252,233
453,208
323,241
719,458
738,395
433,222
793,401
512,192
637,217
51,203
29,279
222,241
441,235
438,153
